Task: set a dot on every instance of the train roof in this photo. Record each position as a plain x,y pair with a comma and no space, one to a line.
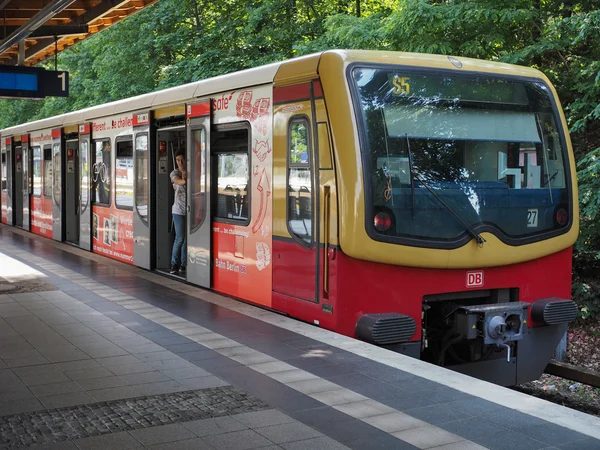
263,75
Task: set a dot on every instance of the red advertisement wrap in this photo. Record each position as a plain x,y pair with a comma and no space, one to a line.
401,289
243,254
41,216
112,233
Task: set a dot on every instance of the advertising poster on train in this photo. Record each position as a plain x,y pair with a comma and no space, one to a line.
242,253
112,187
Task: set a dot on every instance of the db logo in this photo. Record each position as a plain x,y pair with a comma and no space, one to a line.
474,279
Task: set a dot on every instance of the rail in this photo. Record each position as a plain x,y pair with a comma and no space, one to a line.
574,373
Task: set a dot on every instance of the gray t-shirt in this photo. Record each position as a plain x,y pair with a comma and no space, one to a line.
179,204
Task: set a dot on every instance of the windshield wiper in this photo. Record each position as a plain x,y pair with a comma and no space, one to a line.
478,238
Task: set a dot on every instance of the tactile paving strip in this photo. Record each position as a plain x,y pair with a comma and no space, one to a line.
94,419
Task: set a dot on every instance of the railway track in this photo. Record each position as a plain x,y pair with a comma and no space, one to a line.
574,373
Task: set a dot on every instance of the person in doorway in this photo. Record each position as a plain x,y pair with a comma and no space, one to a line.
179,180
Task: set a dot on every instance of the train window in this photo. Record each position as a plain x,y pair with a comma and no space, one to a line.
124,174
56,174
47,171
198,182
3,171
142,180
232,186
299,181
37,171
84,152
101,173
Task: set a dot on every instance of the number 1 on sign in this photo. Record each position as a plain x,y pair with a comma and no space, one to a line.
63,78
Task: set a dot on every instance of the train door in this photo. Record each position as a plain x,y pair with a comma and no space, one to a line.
85,176
18,184
297,243
170,138
57,185
141,190
27,182
199,226
7,181
72,187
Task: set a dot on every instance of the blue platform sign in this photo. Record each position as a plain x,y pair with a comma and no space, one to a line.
32,82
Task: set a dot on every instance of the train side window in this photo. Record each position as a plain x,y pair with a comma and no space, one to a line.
299,180
198,183
3,171
232,184
56,173
124,174
142,180
84,161
101,172
47,171
37,171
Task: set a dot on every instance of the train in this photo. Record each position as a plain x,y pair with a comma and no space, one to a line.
423,203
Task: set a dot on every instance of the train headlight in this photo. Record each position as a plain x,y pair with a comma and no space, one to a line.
382,221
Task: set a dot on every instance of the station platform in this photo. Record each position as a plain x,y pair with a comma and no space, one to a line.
95,354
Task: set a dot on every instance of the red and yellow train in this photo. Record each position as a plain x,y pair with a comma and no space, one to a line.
424,203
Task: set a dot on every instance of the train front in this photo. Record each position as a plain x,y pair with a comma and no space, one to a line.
458,210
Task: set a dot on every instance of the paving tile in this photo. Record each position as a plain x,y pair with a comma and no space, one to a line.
102,383
41,374
552,434
320,443
64,445
78,365
264,418
289,376
127,369
20,406
427,436
393,422
67,399
117,360
513,441
437,414
56,388
202,382
237,440
364,409
162,387
218,425
188,444
473,427
288,432
86,374
144,377
114,393
338,397
313,386
121,441
162,434
187,372
462,445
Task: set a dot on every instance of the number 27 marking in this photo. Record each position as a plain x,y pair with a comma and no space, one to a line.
532,218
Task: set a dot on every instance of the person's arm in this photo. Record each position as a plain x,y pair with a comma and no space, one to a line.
180,180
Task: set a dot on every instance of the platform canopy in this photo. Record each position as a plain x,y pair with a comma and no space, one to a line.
33,30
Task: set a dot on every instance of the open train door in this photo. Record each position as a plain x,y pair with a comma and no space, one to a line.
85,177
7,181
141,190
57,185
198,194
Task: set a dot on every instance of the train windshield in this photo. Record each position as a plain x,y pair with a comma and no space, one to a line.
447,157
